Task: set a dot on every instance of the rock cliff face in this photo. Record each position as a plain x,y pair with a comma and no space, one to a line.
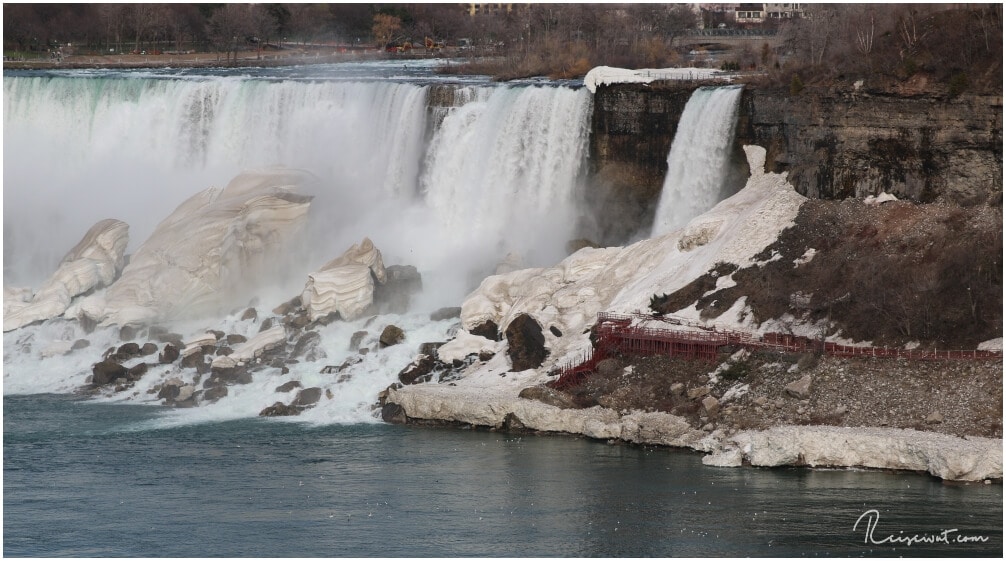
834,144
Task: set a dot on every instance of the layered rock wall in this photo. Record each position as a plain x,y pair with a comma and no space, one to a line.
834,143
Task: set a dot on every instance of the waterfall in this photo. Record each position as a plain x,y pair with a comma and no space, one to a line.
479,175
697,165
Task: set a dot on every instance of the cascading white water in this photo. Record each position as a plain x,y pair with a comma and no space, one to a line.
697,163
497,173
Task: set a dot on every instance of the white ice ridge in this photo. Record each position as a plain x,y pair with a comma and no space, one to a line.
569,295
345,284
605,75
93,263
195,258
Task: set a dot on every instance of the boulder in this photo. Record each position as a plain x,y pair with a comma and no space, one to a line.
126,352
148,349
677,388
128,332
106,372
279,409
308,347
548,396
392,335
250,315
136,372
698,392
393,295
356,339
485,356
525,343
394,413
289,386
266,325
555,331
799,389
80,344
418,369
446,313
487,329
169,354
710,405
214,393
235,339
168,392
430,348
307,396
288,306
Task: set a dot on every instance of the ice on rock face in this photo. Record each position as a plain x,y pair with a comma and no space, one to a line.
93,263
195,256
346,283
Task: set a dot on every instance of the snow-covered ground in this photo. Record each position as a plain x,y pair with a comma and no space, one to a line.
605,75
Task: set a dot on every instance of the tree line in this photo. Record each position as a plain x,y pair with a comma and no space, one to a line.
955,44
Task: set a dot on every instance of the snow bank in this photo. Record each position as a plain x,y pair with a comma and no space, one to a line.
93,263
944,456
605,75
197,256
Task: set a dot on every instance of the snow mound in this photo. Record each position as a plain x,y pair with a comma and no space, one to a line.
605,75
93,263
197,256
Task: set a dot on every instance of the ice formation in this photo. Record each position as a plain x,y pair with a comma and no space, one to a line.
345,284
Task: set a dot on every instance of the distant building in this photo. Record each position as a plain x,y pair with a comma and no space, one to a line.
750,13
783,11
490,9
731,15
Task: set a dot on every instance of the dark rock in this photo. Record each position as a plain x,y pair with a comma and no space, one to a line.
169,354
356,339
87,324
548,396
430,349
126,352
307,396
288,306
236,339
216,333
526,343
250,314
266,325
215,393
610,368
173,338
364,351
291,385
128,332
224,351
279,409
308,347
487,329
80,344
109,352
512,424
392,335
168,391
445,313
136,372
394,413
420,367
486,355
395,294
555,331
194,360
148,349
324,320
297,321
106,372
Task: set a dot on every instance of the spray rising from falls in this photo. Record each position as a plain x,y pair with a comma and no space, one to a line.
450,190
697,165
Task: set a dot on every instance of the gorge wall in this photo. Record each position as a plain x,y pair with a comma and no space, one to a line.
835,143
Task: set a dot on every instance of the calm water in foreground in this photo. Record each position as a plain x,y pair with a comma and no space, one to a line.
89,479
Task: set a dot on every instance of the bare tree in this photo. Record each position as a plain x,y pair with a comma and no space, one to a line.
385,28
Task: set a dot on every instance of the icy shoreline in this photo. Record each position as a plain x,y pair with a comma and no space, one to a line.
947,457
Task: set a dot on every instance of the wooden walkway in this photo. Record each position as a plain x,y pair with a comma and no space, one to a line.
620,334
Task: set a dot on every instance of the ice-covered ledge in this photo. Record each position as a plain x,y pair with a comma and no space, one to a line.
944,456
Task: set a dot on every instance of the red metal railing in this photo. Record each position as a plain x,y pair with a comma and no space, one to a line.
616,334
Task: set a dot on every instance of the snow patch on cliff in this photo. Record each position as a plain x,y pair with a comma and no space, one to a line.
605,75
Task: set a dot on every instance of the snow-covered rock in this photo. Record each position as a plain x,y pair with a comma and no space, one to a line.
879,199
944,456
197,257
592,280
345,284
605,75
93,263
252,348
991,345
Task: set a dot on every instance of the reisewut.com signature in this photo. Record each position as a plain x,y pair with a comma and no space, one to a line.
868,521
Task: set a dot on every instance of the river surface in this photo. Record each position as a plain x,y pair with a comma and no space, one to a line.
97,479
